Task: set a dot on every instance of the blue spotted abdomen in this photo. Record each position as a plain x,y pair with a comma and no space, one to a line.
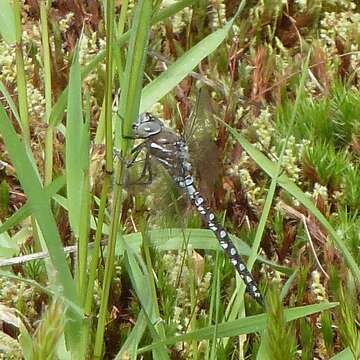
225,242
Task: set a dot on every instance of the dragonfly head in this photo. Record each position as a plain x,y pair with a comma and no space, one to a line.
147,125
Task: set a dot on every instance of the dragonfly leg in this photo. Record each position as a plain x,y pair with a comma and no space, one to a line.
146,171
135,153
117,155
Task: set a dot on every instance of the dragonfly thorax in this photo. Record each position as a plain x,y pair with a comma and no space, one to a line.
147,125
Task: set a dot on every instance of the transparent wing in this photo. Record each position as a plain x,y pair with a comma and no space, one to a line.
200,135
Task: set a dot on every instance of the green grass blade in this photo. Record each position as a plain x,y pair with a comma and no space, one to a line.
8,247
172,9
74,150
59,107
246,325
44,289
84,221
134,71
173,239
270,168
41,210
39,204
176,72
10,102
128,108
132,341
346,354
25,210
7,22
236,307
287,286
140,280
23,105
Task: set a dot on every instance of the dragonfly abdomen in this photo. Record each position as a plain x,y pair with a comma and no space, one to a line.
225,242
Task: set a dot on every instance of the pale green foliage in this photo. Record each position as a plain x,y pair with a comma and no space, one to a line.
48,332
279,337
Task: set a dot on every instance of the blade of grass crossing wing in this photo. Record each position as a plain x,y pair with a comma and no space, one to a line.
270,168
151,280
169,239
172,239
176,72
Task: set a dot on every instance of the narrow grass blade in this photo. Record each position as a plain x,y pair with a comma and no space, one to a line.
173,239
74,149
41,210
23,105
287,286
139,279
246,325
233,309
8,247
25,210
172,9
158,88
59,107
134,71
128,108
45,290
10,102
270,168
38,203
346,354
7,22
26,342
132,341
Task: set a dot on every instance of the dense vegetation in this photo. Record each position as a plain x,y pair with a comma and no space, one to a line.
266,95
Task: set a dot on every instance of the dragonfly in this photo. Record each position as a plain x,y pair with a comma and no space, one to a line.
171,151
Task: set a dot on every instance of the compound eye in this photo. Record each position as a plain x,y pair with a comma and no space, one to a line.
148,129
